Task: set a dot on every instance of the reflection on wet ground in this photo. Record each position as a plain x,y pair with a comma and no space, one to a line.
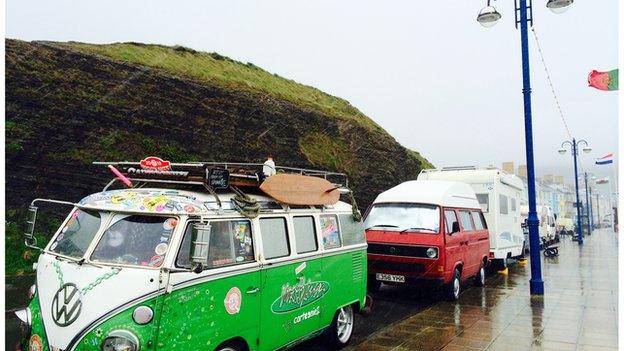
577,312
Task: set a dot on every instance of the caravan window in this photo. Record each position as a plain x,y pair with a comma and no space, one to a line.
504,205
484,201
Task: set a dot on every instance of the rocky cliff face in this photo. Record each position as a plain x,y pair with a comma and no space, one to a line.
66,108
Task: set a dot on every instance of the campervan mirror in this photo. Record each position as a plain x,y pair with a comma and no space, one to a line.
199,246
29,235
455,228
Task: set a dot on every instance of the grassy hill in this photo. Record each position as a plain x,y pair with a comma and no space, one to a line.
69,104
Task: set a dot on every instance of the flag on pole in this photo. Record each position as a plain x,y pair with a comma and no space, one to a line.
603,80
605,160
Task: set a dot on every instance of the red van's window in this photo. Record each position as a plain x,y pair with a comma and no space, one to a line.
449,218
402,217
466,222
476,217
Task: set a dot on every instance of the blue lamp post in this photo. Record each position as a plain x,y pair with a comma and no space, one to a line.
574,146
488,16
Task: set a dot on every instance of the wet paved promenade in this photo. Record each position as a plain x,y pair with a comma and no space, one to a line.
577,312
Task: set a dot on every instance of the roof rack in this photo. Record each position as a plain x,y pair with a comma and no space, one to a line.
213,176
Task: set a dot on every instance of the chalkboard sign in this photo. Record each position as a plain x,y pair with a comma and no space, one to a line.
218,178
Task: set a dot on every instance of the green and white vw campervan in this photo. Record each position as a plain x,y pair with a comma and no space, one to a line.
197,269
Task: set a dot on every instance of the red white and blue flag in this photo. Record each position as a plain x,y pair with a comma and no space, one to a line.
605,160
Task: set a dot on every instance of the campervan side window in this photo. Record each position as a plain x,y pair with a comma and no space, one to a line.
476,218
504,205
466,222
449,218
484,201
305,234
274,237
230,244
352,231
330,231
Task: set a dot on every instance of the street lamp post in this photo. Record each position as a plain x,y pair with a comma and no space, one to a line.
588,206
488,16
574,146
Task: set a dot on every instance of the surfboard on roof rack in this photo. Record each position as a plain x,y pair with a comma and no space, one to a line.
289,185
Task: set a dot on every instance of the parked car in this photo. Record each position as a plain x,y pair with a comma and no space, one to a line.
427,232
499,195
173,269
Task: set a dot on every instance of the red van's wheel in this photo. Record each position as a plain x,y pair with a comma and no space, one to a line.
480,277
454,287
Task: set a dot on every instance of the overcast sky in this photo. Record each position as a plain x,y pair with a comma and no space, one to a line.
426,71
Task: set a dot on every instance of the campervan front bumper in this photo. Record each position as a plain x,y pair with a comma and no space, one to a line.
413,272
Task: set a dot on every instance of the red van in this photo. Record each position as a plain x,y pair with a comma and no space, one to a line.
427,231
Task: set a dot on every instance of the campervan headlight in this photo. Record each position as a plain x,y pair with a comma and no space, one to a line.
31,291
432,252
120,340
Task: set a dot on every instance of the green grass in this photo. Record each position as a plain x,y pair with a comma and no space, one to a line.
322,150
424,163
19,259
228,73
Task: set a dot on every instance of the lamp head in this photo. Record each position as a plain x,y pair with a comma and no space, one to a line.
562,151
559,6
587,149
488,16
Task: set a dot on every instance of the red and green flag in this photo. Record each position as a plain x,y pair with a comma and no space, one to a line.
604,80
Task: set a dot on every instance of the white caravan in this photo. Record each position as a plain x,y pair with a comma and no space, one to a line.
499,194
546,218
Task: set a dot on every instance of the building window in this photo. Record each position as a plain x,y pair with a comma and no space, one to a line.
513,204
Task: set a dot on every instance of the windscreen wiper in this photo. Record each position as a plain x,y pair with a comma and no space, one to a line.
78,261
382,225
417,228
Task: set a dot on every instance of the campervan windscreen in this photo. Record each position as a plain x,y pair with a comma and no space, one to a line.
141,240
404,218
77,233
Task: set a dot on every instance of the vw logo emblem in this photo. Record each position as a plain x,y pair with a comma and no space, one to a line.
392,249
66,305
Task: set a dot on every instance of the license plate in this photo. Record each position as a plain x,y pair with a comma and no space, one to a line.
390,278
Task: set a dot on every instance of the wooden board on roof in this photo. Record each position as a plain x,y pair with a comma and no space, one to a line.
295,189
